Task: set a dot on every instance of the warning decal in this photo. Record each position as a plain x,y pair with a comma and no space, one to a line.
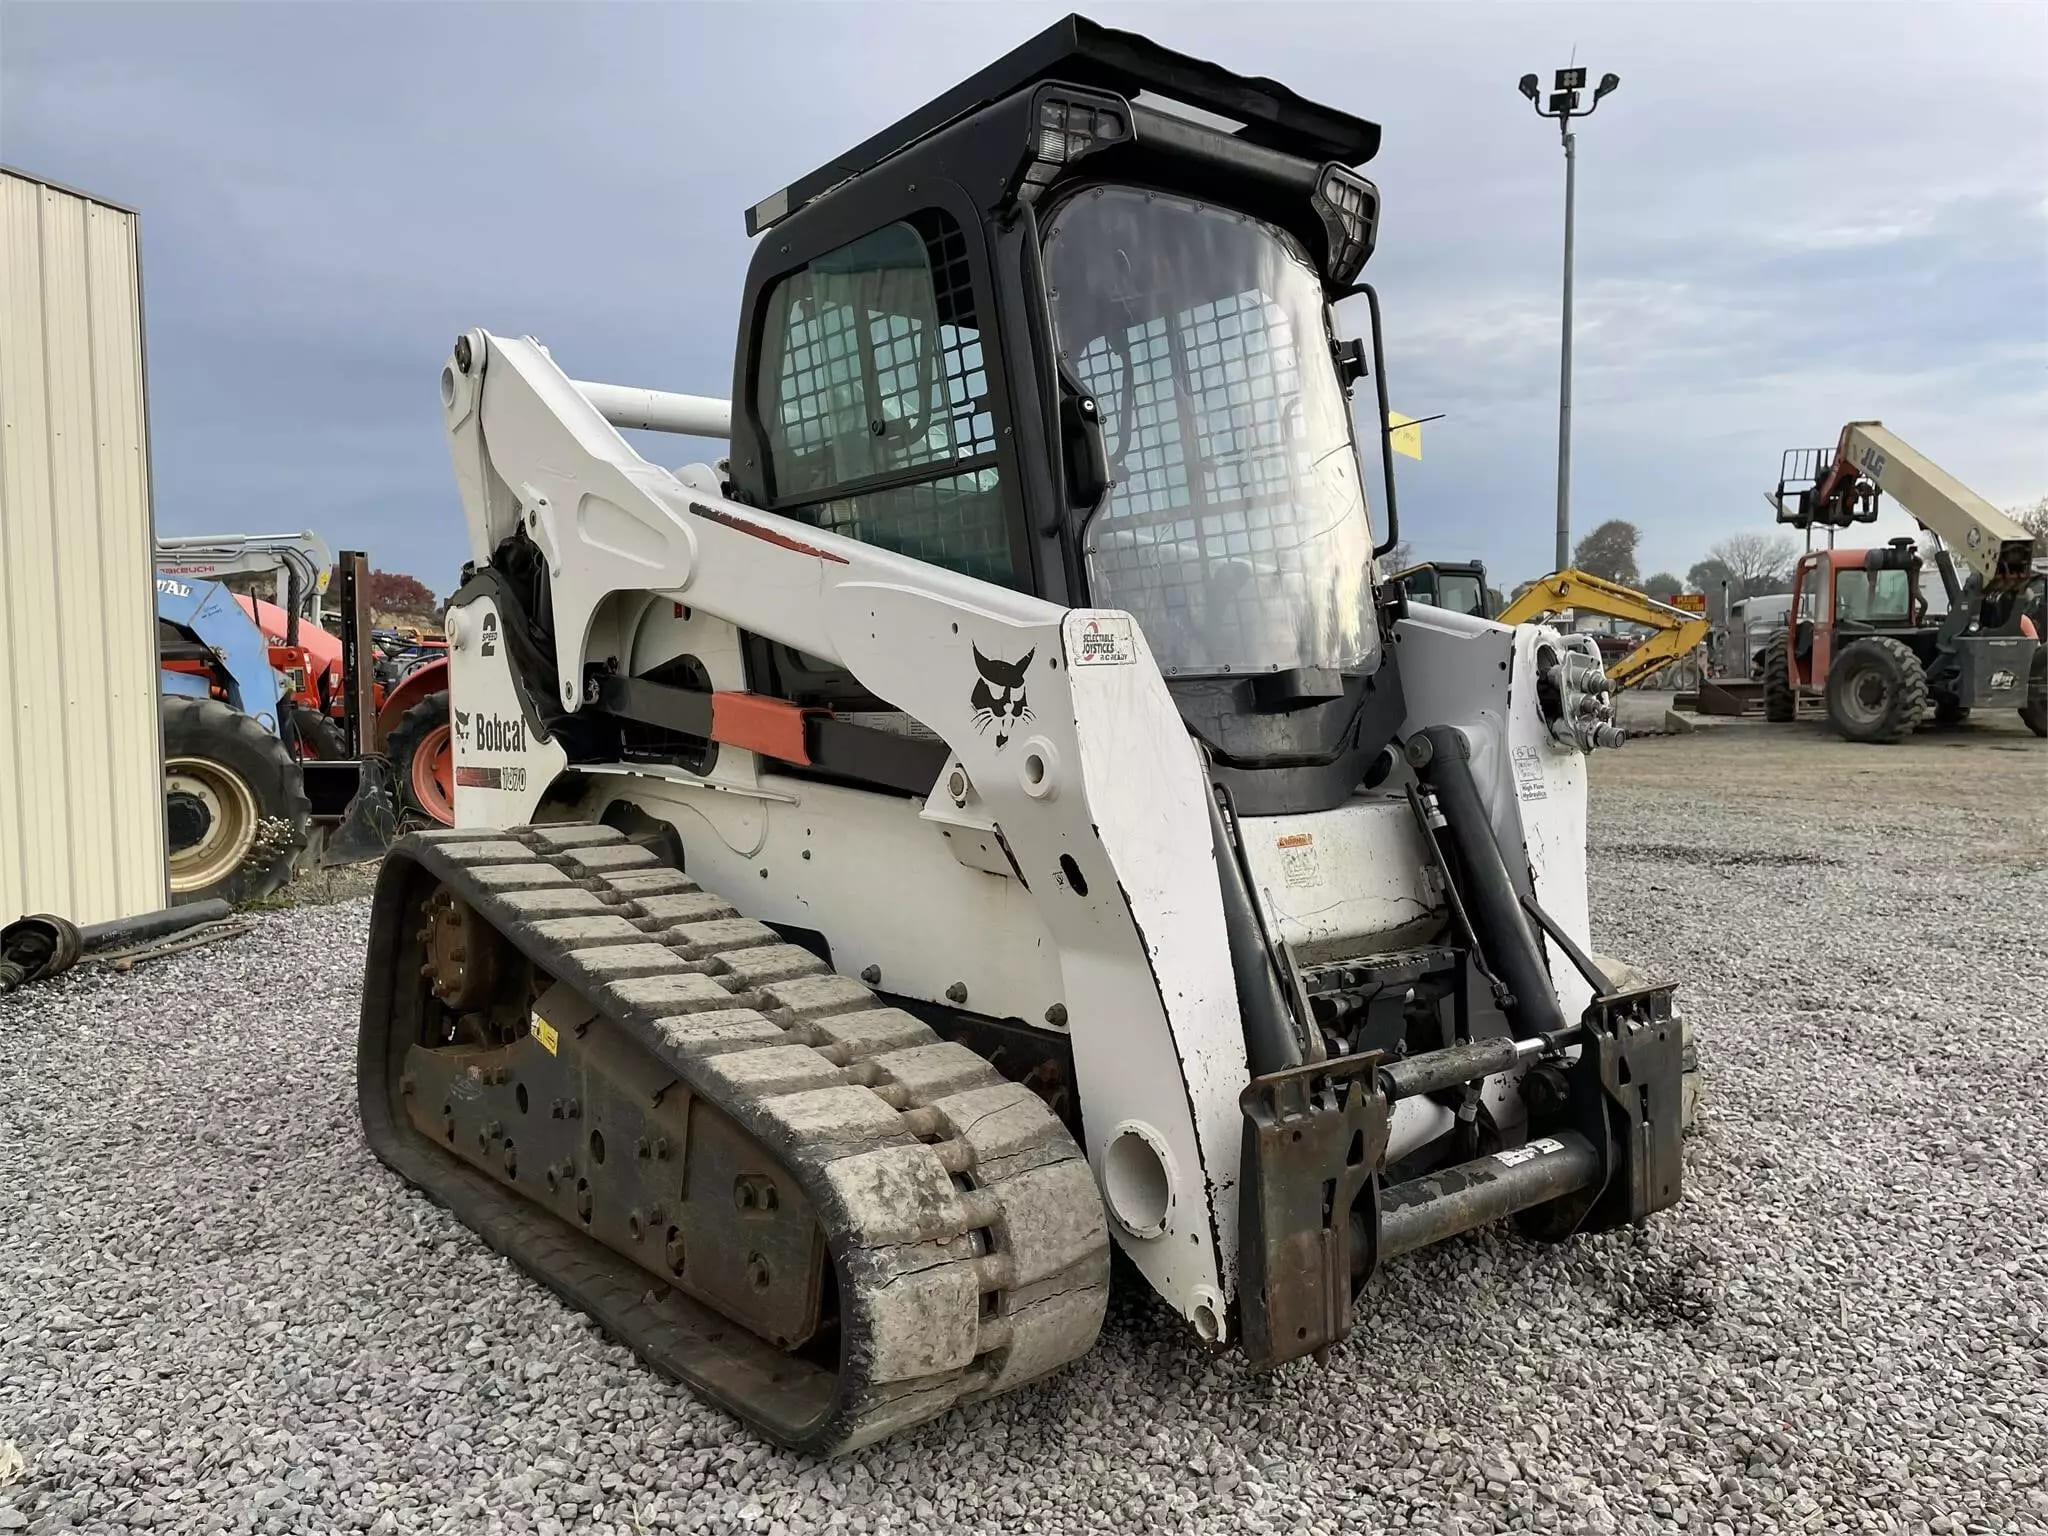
1298,862
1515,1156
1530,783
1105,641
545,1033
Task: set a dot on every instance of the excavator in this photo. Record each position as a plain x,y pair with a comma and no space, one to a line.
994,813
297,563
1461,586
1861,640
1675,632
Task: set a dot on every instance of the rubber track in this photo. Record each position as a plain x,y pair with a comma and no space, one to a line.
963,1221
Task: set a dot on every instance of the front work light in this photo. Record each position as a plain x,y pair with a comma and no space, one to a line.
1065,125
1349,207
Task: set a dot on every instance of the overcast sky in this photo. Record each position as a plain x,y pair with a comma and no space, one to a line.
1788,217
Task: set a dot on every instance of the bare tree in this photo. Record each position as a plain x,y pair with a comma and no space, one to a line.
2035,520
1757,562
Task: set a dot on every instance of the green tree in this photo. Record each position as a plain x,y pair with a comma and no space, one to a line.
1663,584
1708,575
1610,551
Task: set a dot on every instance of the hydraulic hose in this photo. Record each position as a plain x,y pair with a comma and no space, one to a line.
1271,1043
1442,758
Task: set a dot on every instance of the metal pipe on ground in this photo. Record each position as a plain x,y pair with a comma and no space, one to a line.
153,925
42,945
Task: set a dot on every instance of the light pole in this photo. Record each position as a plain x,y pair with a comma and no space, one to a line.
1564,106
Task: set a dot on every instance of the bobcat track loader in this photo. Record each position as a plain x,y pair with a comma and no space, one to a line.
993,815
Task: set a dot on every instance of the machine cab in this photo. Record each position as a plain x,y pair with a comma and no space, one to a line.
1459,587
1069,328
1840,594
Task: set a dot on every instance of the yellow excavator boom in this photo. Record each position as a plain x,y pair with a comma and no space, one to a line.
1678,631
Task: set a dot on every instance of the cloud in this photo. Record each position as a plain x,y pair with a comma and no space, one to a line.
1784,222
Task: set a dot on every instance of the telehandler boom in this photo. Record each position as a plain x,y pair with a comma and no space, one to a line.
993,813
1862,635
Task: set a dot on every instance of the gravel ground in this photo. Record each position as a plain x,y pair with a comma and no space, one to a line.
217,1313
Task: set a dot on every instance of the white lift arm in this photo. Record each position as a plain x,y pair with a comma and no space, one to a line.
1095,788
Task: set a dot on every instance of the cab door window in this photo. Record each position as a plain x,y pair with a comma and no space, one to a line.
875,402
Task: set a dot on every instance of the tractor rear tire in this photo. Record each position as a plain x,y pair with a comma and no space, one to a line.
1778,677
1877,691
422,755
235,808
319,737
2035,710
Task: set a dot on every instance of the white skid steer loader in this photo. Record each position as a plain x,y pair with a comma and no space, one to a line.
994,814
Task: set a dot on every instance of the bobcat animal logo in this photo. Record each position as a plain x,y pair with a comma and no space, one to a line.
461,727
998,696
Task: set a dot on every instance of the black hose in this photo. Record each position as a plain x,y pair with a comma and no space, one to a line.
1442,757
153,925
1271,1043
1598,979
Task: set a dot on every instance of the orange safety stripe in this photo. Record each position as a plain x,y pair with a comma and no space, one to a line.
772,727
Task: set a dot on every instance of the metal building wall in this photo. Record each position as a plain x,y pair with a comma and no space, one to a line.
81,778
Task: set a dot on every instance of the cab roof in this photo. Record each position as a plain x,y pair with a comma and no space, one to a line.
1077,51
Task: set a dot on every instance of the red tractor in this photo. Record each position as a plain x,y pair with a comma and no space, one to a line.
413,736
410,725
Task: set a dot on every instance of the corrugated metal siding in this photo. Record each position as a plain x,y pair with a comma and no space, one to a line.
81,779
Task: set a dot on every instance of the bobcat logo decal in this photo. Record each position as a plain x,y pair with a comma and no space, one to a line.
998,696
461,728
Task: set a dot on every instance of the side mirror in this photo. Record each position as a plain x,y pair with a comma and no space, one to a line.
1084,457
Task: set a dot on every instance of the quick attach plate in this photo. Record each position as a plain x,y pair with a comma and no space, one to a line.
1624,1094
1314,1137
